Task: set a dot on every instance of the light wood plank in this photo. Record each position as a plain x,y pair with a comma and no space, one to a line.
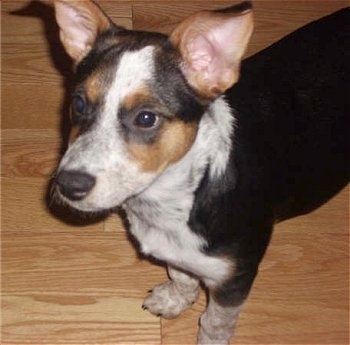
77,318
68,285
29,153
46,108
30,64
84,260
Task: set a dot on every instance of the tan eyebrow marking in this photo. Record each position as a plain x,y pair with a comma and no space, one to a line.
173,142
143,96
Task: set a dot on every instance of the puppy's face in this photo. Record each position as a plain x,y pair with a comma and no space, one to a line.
129,127
139,98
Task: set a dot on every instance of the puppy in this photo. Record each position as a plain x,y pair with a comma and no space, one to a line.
204,167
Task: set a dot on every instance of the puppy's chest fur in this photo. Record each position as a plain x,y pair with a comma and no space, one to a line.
164,234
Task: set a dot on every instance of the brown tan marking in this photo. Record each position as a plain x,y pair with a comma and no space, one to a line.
94,90
143,96
74,130
173,142
94,86
73,135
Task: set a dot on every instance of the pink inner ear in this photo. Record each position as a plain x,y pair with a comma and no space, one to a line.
208,57
80,22
220,45
76,30
212,46
201,53
230,39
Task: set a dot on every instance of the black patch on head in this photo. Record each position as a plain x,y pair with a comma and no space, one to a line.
111,45
171,86
170,95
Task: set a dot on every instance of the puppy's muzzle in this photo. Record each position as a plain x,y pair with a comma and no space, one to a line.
74,185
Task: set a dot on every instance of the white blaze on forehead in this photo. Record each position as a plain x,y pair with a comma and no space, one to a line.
134,70
101,151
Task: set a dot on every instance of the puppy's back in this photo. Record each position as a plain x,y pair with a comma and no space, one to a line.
292,115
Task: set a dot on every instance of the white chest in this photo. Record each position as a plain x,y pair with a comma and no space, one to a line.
178,246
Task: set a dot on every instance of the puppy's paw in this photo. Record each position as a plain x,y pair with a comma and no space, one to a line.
207,339
167,301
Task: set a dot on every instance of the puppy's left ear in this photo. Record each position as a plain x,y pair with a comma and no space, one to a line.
80,22
211,44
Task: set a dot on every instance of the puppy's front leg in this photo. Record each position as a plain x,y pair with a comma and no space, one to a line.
171,298
218,322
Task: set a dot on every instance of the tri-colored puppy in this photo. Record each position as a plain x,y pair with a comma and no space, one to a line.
203,169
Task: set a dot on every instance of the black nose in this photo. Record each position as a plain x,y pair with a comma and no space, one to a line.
75,185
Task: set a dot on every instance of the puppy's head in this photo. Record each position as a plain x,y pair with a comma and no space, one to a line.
139,97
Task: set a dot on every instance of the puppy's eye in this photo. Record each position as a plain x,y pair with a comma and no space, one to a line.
146,119
78,104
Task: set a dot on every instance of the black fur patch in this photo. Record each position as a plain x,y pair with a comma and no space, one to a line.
290,147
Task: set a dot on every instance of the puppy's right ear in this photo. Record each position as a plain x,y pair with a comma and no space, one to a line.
80,22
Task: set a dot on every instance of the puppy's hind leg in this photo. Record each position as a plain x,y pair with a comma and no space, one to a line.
171,298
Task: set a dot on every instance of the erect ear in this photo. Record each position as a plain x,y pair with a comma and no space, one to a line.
212,44
80,22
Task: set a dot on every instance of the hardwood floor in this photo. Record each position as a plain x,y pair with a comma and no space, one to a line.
68,280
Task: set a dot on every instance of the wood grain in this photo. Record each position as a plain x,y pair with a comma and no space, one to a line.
273,19
73,280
